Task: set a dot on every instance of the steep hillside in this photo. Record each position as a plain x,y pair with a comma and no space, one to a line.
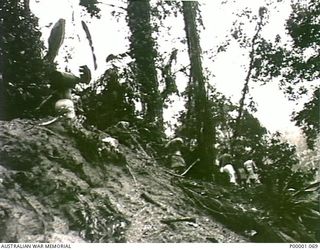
64,183
59,186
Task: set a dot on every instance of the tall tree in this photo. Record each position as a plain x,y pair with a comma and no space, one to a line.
2,87
309,119
24,81
252,54
198,118
296,62
142,49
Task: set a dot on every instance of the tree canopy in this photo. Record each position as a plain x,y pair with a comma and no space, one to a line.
138,84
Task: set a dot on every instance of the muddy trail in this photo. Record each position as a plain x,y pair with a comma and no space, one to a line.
64,183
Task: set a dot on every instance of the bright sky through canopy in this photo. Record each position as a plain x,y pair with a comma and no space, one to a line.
109,36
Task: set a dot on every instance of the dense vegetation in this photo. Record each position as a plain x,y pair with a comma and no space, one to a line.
208,125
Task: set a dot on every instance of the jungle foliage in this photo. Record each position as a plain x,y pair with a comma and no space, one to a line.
24,72
210,123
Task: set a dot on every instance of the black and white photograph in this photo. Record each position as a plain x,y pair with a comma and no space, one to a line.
159,121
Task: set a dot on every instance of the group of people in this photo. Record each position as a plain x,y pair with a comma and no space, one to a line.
241,175
245,175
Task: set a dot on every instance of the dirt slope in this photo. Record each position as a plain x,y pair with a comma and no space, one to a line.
62,183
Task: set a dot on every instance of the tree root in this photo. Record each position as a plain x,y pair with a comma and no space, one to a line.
149,199
172,220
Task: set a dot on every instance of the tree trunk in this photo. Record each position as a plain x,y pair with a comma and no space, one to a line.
197,105
245,89
2,84
143,51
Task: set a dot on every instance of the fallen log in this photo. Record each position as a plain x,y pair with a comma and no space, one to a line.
172,220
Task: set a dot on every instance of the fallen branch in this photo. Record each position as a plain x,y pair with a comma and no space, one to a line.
194,196
191,166
172,220
43,102
140,147
49,122
149,199
176,175
139,212
133,177
185,172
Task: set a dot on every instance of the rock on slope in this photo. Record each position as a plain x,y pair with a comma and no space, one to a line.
63,183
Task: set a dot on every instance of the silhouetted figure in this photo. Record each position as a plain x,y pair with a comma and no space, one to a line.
176,161
242,176
226,168
229,169
251,168
225,159
63,83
